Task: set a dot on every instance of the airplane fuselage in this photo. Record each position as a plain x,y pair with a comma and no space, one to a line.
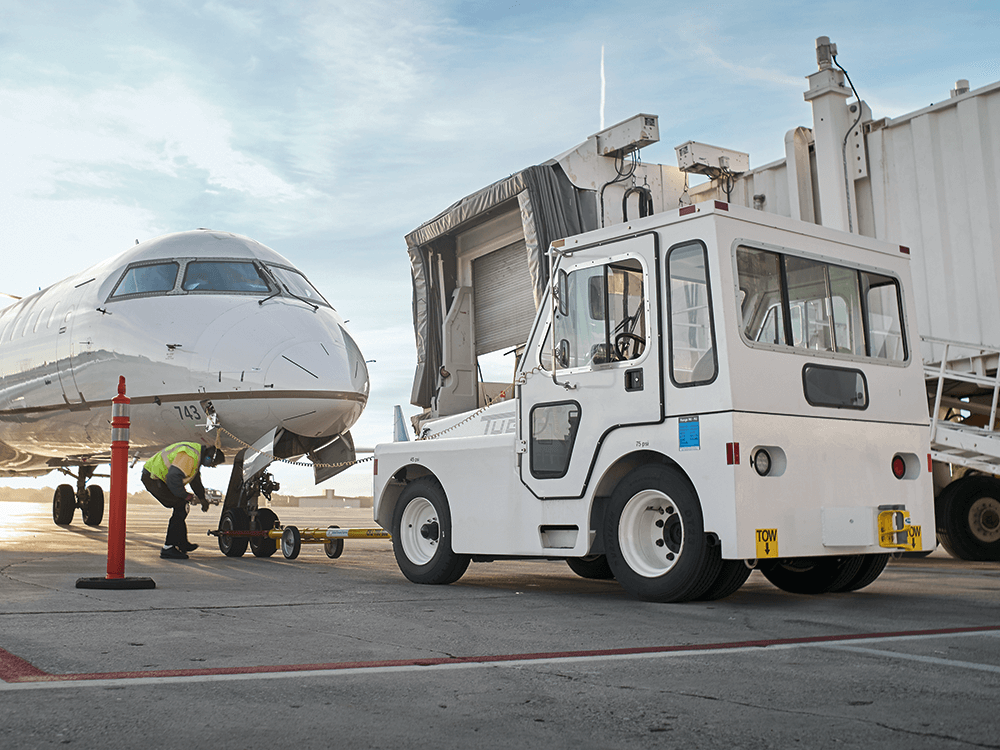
197,322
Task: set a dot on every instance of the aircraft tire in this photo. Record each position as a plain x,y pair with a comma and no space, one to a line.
812,575
421,535
291,542
234,519
654,537
594,567
333,548
63,505
264,519
92,508
967,513
734,574
871,568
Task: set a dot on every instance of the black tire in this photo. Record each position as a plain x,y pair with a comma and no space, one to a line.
291,542
234,519
812,575
594,567
93,505
63,505
334,548
654,537
734,574
421,535
263,519
871,568
967,513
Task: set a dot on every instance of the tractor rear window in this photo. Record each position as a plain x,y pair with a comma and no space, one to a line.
803,303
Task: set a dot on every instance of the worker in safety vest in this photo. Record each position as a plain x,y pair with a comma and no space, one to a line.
166,475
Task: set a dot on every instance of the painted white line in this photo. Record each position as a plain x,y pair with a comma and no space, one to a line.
61,682
954,663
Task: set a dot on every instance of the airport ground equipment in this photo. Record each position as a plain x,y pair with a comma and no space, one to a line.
263,534
702,391
928,180
332,538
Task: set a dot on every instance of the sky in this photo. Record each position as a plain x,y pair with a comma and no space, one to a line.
328,130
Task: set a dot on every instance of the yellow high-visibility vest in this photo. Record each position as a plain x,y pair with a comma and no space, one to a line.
160,463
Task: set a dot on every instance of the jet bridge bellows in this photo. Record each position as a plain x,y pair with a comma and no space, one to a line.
478,270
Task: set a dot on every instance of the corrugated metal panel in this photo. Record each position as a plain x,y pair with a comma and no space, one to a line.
504,303
936,189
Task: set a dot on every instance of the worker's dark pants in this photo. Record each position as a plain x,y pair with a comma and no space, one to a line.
177,535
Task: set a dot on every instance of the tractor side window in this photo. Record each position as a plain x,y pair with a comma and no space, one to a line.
692,338
601,318
760,284
885,324
553,432
808,304
157,278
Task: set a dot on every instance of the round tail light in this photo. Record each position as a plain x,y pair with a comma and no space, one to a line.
898,466
762,462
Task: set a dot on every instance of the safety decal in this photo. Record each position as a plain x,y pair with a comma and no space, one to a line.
767,543
688,435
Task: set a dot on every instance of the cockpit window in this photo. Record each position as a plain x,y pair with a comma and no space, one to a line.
223,276
297,285
149,279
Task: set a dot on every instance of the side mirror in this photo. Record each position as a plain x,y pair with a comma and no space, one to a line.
562,354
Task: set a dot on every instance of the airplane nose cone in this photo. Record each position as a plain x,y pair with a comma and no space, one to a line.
322,391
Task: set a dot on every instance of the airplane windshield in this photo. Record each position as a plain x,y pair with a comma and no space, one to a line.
223,276
147,279
297,285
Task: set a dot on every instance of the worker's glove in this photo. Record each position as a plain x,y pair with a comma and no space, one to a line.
204,505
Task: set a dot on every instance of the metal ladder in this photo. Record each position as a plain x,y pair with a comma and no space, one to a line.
956,373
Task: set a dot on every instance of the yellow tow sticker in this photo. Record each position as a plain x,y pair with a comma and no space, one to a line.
767,543
913,538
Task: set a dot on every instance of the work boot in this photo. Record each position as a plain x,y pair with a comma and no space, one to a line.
188,546
173,553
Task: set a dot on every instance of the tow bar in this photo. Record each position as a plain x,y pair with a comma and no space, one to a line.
291,538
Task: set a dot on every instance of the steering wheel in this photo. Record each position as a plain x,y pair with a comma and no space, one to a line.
622,341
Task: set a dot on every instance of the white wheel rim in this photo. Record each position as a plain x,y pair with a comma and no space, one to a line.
651,533
419,514
287,543
984,520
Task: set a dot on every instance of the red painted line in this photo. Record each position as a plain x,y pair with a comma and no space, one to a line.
16,670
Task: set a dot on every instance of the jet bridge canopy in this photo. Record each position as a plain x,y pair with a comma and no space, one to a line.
492,244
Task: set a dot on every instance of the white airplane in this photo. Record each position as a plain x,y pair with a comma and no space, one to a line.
208,328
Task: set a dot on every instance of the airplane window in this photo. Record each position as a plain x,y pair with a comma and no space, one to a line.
297,285
223,276
147,279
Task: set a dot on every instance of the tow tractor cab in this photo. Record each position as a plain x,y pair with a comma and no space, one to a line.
703,391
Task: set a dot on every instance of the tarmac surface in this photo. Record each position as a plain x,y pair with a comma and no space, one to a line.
318,653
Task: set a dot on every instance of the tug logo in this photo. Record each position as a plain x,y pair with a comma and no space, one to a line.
499,425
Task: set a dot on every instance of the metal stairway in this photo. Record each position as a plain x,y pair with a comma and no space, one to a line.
964,382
